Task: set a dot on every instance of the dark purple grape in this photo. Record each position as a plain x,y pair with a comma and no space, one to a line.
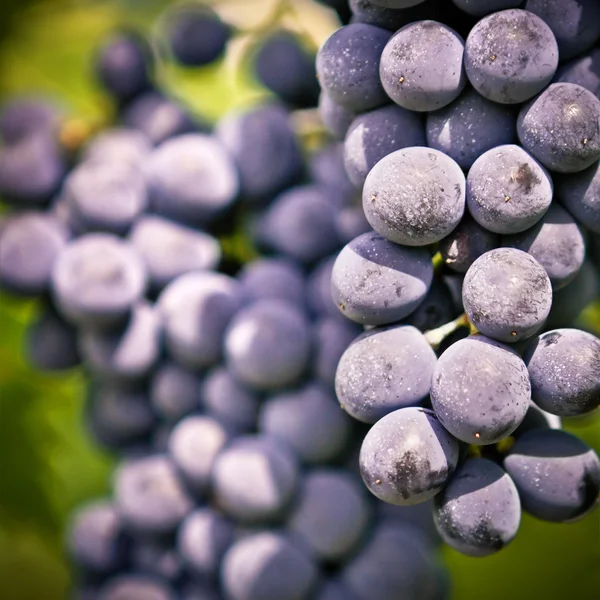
174,392
583,71
579,193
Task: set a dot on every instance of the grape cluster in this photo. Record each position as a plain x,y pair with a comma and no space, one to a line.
472,130
212,382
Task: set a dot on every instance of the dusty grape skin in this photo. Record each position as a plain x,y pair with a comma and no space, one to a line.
407,456
579,193
470,126
560,128
466,244
574,23
348,66
557,475
480,390
267,345
331,514
169,249
310,421
583,71
30,244
507,294
202,539
193,446
510,72
267,566
149,495
406,207
395,562
507,190
254,479
376,282
97,279
478,513
383,370
480,8
335,117
564,368
377,133
421,66
196,309
556,242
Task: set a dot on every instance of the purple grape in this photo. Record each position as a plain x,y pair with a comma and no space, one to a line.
470,126
560,128
583,71
407,457
564,368
422,66
376,282
478,513
480,390
557,475
480,8
348,66
507,294
174,392
383,370
510,56
579,193
335,117
376,134
118,146
23,117
414,196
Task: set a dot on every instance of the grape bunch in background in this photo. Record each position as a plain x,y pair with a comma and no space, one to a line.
211,381
473,131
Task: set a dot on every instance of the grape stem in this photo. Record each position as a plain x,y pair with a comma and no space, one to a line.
435,337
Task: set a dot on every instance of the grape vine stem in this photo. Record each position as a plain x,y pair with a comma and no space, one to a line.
435,337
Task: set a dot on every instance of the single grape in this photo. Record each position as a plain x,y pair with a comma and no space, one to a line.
267,566
174,392
136,587
480,390
202,539
196,309
285,67
579,193
348,66
510,56
193,447
310,421
421,66
376,282
226,400
335,117
97,279
330,515
480,8
575,23
414,196
564,368
375,134
583,71
267,345
30,244
318,290
170,250
118,146
149,495
156,557
265,150
255,479
560,128
407,456
508,191
470,126
95,539
326,167
507,294
466,244
383,370
196,35
556,242
23,117
478,513
557,475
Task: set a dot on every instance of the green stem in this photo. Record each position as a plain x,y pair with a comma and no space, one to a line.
436,336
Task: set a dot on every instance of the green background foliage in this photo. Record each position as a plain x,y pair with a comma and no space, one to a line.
48,465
